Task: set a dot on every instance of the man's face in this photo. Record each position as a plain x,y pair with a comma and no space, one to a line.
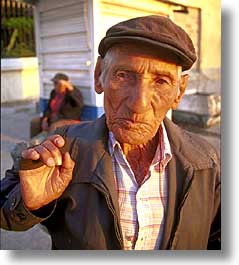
139,89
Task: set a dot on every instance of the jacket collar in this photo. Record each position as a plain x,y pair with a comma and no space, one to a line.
96,165
191,153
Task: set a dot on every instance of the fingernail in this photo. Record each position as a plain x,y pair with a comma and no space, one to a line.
59,141
35,154
50,162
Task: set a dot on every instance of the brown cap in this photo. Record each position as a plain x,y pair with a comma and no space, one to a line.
156,31
60,76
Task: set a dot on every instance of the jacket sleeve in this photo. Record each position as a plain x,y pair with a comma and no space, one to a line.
214,242
14,215
72,105
76,97
47,111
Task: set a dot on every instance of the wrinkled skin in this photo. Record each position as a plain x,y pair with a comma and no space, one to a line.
42,185
139,89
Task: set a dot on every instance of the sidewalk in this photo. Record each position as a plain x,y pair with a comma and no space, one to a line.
15,122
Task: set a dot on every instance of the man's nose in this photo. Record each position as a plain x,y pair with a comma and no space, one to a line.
139,97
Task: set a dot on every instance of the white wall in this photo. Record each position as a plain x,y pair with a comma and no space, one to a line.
63,44
19,79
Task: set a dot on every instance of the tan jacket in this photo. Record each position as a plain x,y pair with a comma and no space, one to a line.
86,216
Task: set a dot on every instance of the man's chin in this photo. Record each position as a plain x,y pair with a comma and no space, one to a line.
132,138
132,133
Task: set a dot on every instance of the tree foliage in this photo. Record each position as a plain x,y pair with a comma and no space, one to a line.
20,41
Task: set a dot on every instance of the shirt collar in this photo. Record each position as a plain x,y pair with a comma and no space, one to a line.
163,148
163,152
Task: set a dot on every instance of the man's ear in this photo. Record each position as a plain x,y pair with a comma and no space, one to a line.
97,73
182,87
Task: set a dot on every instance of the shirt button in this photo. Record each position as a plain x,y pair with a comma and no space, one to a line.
13,203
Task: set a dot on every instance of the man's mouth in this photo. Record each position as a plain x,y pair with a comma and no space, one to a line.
130,121
131,124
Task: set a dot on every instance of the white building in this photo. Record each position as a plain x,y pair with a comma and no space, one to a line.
68,34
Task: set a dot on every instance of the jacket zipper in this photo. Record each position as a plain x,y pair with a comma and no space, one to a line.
113,213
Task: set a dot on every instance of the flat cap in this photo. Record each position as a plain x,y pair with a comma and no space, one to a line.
157,31
60,76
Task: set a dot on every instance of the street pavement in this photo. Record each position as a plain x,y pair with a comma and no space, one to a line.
15,121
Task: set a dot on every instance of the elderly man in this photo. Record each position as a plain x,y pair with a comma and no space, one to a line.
132,179
64,106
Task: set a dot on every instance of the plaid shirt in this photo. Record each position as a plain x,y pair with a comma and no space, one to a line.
142,209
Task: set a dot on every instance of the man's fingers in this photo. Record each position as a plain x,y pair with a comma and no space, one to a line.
31,154
48,151
54,151
66,170
45,155
57,139
67,162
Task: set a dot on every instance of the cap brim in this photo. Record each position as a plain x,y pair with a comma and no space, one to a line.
185,61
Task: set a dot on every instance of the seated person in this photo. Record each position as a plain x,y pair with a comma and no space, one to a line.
64,106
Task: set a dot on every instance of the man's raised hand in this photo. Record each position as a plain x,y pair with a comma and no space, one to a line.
42,185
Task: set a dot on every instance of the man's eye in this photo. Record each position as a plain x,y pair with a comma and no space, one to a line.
161,81
122,75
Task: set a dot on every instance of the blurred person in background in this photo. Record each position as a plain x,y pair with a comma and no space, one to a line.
64,106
